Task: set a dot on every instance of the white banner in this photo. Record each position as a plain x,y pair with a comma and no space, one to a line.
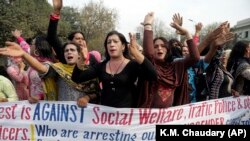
64,121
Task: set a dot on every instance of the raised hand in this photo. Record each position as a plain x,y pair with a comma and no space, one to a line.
21,66
214,34
198,27
84,51
226,27
84,48
57,6
223,28
133,49
133,44
223,39
16,33
12,49
149,19
84,56
177,21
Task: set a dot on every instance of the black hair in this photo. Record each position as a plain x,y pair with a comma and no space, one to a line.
123,40
43,47
72,35
168,57
237,53
78,48
4,73
205,51
171,41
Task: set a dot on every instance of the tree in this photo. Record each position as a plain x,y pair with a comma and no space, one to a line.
30,16
69,22
159,29
96,21
5,21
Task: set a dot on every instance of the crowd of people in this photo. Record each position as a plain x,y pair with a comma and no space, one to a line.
160,73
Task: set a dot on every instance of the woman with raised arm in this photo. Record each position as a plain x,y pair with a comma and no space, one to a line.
17,72
118,73
67,89
208,78
171,85
76,37
39,89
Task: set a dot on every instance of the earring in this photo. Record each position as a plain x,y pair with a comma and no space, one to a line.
36,53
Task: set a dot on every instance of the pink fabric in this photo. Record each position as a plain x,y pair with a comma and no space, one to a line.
97,55
42,59
24,45
196,40
87,59
35,86
21,81
54,17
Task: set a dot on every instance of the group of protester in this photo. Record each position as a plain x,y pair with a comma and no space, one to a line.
165,74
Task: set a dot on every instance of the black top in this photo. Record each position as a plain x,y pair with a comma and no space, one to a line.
118,90
57,45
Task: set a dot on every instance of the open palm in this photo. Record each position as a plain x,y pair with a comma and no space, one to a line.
12,49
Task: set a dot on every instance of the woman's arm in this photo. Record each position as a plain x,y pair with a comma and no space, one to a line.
15,74
24,45
13,49
148,45
52,37
148,71
80,75
213,35
194,55
219,42
196,37
133,49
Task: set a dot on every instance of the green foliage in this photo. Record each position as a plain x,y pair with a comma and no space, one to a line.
5,23
95,22
32,17
71,16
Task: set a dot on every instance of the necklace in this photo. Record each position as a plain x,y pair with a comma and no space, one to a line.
112,74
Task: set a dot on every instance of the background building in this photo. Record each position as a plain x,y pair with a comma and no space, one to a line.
242,29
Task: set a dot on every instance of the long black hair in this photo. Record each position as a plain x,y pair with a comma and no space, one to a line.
43,47
72,35
123,40
237,53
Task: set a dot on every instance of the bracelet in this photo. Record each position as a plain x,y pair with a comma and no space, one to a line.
147,24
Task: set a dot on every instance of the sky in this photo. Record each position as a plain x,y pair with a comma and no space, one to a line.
132,12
